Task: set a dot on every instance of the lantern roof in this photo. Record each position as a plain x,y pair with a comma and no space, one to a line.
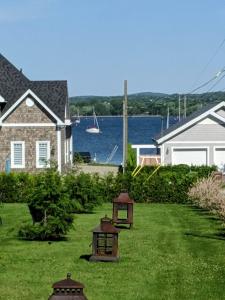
106,226
68,283
123,198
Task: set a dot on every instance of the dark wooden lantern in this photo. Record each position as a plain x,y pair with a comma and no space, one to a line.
123,203
68,289
105,241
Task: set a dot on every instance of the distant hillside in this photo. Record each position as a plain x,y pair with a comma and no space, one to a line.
109,98
146,103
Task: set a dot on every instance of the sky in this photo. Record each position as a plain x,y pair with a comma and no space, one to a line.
168,46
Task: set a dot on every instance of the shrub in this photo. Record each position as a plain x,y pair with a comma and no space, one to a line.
13,187
49,206
84,191
207,193
168,184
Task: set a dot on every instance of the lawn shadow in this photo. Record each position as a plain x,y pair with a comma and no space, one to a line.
122,227
205,213
85,257
219,236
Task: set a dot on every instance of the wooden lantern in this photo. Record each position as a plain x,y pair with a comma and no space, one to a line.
68,289
105,241
124,204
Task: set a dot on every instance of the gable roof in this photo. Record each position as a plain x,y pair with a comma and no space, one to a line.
14,84
189,121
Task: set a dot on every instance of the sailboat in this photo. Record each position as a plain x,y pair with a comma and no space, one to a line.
95,127
77,121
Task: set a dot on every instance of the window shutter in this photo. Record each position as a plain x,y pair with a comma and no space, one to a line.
18,154
42,154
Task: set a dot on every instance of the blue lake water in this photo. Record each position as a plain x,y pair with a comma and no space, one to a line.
141,130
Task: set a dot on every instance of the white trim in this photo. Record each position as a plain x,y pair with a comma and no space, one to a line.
195,147
191,122
59,149
68,122
71,149
214,151
195,142
144,146
2,100
29,92
28,125
162,154
13,166
217,116
38,166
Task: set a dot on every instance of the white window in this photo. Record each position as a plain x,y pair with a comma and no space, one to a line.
17,154
42,154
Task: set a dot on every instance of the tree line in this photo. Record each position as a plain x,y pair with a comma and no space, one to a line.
142,104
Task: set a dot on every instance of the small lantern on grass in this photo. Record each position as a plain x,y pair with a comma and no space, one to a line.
123,209
105,241
68,289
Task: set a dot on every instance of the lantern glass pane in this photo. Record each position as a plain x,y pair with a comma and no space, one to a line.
104,243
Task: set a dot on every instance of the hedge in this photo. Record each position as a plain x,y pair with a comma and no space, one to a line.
168,184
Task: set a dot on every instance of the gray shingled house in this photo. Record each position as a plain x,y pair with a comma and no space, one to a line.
196,140
35,123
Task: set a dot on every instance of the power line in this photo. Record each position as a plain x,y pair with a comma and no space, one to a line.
218,74
218,81
209,61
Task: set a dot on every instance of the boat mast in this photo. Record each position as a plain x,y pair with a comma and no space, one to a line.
168,118
95,119
125,127
179,108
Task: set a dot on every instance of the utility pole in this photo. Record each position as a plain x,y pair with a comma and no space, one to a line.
185,106
125,128
179,108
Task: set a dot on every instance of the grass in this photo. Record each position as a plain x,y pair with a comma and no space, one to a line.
173,252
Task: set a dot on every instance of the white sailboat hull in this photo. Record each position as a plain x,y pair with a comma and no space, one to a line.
93,130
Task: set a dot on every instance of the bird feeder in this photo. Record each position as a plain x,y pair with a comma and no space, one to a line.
68,289
105,241
123,209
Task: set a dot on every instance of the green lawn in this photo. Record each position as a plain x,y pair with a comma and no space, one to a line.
173,252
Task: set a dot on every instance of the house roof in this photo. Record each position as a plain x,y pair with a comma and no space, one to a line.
190,120
13,84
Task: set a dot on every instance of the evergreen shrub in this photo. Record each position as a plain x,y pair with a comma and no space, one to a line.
49,206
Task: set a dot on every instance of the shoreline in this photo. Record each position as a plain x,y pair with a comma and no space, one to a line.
120,116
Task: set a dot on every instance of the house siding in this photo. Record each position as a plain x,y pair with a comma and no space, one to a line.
26,114
201,132
221,112
29,135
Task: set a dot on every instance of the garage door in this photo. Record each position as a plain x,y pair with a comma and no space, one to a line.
189,157
219,158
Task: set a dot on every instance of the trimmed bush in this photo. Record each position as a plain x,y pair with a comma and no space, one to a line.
49,206
168,184
13,187
84,191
